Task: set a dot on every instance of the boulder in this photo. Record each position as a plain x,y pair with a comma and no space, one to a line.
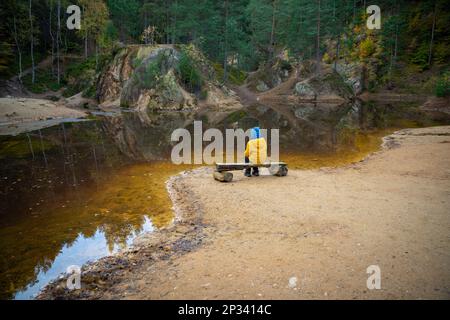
160,77
352,75
328,85
270,74
304,90
262,86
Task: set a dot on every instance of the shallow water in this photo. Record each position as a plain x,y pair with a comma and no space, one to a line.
69,194
73,201
363,145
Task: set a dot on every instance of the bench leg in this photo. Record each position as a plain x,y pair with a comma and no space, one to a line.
279,171
224,176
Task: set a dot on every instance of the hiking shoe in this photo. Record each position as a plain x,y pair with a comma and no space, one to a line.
256,174
248,174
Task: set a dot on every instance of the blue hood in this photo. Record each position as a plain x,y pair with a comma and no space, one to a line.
254,133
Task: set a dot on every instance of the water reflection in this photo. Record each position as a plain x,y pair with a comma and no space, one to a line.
79,191
65,184
81,251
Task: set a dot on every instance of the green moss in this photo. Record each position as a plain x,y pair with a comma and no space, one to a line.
235,76
219,70
148,73
149,77
136,62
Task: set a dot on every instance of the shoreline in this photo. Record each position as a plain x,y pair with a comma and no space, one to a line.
107,277
20,115
182,235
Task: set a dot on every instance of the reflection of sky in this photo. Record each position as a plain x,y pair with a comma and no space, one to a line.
81,251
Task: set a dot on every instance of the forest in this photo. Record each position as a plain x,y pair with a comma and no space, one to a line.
237,35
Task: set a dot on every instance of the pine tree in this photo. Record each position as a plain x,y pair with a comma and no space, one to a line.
124,14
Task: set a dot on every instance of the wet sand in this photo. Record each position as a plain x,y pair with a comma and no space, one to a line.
246,239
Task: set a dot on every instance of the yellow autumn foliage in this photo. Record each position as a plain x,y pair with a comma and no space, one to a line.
366,48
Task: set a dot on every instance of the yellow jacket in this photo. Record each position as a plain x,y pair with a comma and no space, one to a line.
256,150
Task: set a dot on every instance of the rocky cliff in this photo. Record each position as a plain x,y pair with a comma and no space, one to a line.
162,77
300,81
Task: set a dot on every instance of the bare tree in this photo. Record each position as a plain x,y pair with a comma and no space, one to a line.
51,35
58,38
33,67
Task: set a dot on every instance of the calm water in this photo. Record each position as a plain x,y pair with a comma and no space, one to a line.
68,196
76,192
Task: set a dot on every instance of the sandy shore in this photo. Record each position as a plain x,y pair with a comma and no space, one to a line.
248,238
24,114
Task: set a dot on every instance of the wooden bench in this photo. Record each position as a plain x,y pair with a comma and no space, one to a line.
223,174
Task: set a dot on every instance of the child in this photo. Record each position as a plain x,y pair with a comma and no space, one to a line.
256,151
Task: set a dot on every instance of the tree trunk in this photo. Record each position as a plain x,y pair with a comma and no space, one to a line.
393,61
33,67
225,59
174,33
167,23
300,28
52,37
432,33
58,37
272,32
396,42
318,38
19,52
